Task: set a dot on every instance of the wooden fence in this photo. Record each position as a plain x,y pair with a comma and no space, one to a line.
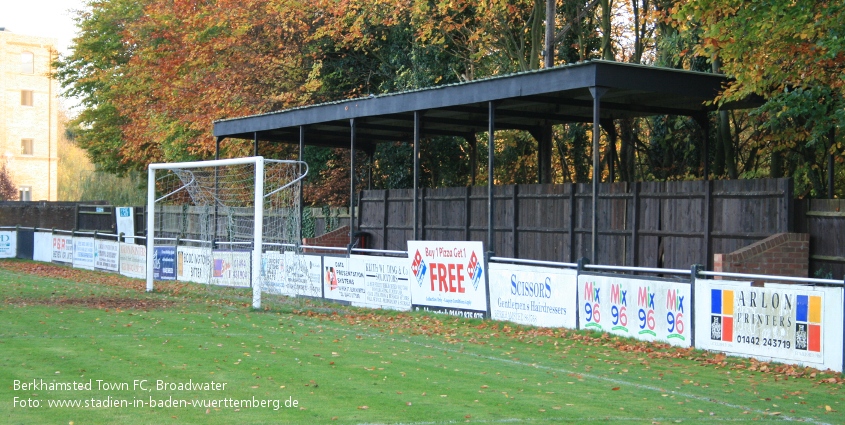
824,220
648,224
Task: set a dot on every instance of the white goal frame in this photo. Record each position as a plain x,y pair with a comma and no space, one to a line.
258,199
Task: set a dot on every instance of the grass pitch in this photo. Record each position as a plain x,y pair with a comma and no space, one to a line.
192,354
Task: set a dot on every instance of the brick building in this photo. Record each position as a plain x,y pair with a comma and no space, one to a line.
29,115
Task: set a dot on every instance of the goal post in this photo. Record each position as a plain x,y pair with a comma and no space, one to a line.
225,205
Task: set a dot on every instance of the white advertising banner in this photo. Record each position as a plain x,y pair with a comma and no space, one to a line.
387,281
193,264
125,218
786,323
8,244
133,260
649,310
62,249
84,251
106,255
304,275
274,279
448,277
232,268
343,280
42,246
537,296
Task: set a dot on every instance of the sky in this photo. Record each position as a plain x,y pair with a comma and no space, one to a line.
44,18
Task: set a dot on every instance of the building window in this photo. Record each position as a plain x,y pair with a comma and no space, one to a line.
27,63
26,97
26,193
26,147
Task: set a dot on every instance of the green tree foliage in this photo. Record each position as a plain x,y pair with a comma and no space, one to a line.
792,53
154,74
93,73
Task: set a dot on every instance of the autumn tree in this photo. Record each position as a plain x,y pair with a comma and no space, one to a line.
92,73
792,54
8,189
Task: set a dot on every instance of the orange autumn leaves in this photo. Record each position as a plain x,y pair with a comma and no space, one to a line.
155,74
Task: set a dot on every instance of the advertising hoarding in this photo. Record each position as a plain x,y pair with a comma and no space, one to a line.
537,296
649,310
787,323
448,277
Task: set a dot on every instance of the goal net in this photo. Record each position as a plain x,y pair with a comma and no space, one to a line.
212,220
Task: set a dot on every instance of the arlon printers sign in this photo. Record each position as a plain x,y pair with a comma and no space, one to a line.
787,322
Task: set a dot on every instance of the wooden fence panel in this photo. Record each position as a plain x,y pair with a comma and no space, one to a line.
649,224
745,211
583,222
371,205
400,219
543,231
649,246
824,220
682,214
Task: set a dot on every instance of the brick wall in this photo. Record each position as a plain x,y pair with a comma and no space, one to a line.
336,238
38,170
783,254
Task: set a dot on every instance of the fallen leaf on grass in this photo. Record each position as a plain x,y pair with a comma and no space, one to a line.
363,407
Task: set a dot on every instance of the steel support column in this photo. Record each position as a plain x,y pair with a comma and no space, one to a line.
491,130
597,93
301,183
255,143
416,206
351,179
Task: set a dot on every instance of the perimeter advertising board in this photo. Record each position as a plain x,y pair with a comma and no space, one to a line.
304,275
193,264
8,244
274,279
787,323
42,246
84,251
343,280
164,263
106,255
232,268
387,282
125,220
537,296
448,277
133,260
649,310
62,249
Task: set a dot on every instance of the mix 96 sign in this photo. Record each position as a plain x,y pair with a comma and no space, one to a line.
649,310
448,277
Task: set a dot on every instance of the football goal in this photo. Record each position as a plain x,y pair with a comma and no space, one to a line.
210,221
